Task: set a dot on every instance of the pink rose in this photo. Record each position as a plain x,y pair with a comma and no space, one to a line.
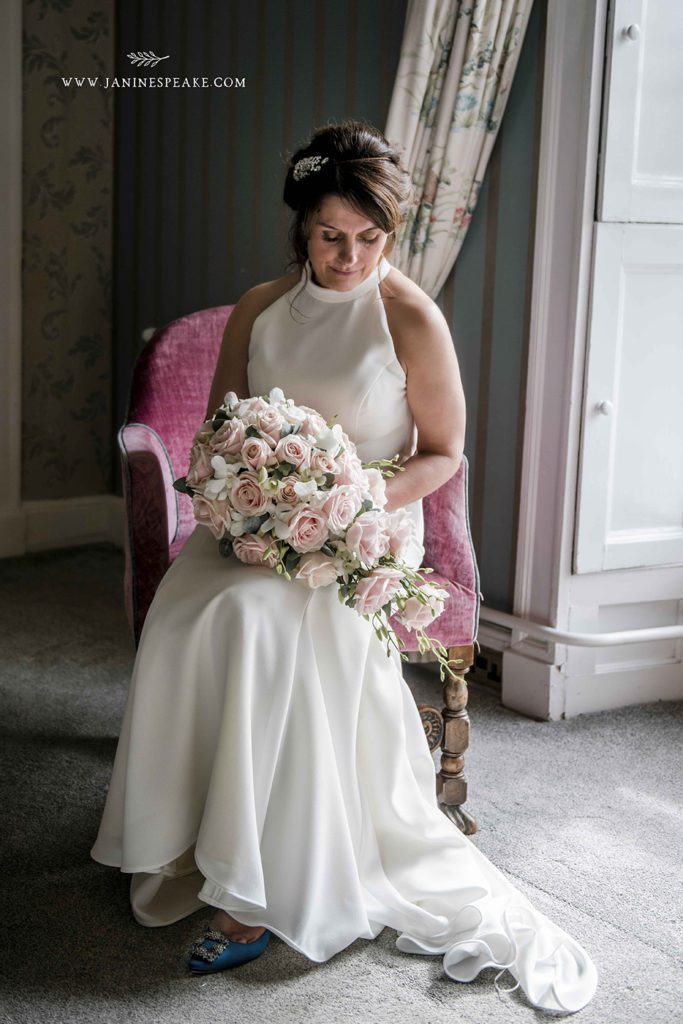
229,438
350,470
251,548
294,449
308,529
402,533
317,570
416,615
375,590
200,465
368,538
322,462
205,431
214,514
248,410
340,507
270,421
376,486
286,492
256,452
246,495
255,404
314,423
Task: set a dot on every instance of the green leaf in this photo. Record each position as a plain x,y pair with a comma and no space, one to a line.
252,523
182,486
252,431
291,559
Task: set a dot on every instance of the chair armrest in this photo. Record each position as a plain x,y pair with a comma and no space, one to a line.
152,517
457,624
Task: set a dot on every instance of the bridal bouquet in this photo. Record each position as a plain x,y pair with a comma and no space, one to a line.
279,486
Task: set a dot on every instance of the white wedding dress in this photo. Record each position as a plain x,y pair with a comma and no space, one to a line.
272,760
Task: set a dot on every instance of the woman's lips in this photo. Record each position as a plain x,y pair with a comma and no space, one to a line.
345,273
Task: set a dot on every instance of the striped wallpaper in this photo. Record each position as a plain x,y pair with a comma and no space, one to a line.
198,216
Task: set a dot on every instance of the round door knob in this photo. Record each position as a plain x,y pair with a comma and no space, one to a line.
632,32
605,407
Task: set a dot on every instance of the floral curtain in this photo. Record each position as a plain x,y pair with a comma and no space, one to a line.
457,63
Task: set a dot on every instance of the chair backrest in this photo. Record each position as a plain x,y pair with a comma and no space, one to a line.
173,376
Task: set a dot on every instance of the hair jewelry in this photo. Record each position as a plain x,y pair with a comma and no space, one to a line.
307,164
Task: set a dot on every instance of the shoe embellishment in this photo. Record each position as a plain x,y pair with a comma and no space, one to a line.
201,951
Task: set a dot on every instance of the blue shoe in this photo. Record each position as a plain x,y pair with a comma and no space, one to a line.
215,951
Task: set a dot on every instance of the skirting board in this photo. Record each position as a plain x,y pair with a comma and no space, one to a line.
60,523
547,693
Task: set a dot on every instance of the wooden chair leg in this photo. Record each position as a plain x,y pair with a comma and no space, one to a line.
451,784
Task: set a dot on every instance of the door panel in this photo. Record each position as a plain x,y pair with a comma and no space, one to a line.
630,498
641,177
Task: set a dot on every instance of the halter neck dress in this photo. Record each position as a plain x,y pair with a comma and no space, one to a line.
272,760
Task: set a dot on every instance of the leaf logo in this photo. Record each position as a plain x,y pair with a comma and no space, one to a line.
145,59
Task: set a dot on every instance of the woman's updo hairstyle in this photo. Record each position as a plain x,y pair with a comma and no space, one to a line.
361,167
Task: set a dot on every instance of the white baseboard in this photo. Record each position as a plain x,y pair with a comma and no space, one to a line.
538,689
546,692
60,523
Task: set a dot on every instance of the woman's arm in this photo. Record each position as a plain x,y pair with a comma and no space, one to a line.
436,399
231,369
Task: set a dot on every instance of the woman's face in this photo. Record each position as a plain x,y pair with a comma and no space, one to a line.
344,247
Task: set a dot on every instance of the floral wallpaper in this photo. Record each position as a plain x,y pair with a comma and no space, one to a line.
68,443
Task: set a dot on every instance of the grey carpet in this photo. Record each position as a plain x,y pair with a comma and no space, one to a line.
583,815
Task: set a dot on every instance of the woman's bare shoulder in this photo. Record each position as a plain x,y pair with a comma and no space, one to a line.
405,300
260,296
412,315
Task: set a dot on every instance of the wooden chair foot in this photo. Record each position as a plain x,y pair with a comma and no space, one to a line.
459,816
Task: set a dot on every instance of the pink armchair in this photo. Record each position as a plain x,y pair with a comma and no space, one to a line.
171,380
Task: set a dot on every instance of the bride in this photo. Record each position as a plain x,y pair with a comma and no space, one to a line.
272,762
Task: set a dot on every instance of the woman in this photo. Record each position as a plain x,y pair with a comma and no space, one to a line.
272,761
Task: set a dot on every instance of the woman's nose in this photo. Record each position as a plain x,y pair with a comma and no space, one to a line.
348,254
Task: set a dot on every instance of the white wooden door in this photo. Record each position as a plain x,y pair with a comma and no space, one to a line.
630,484
630,498
641,176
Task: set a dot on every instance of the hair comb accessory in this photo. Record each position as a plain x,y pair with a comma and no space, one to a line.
307,164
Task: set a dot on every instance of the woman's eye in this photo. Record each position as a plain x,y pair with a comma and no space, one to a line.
368,241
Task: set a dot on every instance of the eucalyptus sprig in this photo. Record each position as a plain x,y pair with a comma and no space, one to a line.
385,466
